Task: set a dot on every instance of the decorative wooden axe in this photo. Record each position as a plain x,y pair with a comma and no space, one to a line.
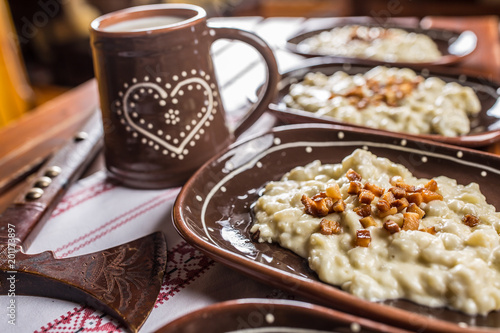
122,281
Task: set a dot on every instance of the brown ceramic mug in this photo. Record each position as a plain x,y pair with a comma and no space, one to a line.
161,108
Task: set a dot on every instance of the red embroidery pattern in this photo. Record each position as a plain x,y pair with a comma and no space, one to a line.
79,197
115,223
185,264
82,319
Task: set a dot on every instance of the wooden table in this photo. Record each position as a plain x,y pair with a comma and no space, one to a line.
239,70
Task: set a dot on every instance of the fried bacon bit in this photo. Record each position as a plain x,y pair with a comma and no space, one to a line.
333,192
428,196
329,227
366,197
354,188
391,226
470,220
319,207
411,221
322,204
377,190
363,210
339,206
432,185
367,221
400,204
415,198
398,192
363,238
353,176
389,197
383,206
391,211
399,182
430,230
413,208
391,92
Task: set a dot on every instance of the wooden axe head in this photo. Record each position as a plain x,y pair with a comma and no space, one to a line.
123,281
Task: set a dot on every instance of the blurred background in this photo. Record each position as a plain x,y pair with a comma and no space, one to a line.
45,47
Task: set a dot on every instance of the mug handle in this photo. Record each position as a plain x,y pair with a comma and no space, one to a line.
273,77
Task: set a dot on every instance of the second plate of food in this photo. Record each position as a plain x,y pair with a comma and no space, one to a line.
439,105
397,42
396,230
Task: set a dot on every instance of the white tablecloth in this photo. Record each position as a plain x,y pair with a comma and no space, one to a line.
96,214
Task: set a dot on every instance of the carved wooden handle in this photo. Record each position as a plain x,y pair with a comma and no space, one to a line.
45,189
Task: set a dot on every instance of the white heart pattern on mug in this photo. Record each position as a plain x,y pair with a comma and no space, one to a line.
153,135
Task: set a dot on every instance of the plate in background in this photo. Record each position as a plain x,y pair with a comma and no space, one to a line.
272,316
454,46
485,127
213,211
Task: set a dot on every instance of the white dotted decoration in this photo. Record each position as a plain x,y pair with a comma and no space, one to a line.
259,164
223,189
269,318
309,149
277,141
355,327
484,173
340,135
199,198
146,131
403,142
460,154
424,159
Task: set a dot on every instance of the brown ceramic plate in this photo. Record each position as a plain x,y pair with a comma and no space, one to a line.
213,211
454,46
272,316
485,127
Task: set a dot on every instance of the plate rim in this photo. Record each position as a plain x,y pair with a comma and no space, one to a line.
286,304
395,316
